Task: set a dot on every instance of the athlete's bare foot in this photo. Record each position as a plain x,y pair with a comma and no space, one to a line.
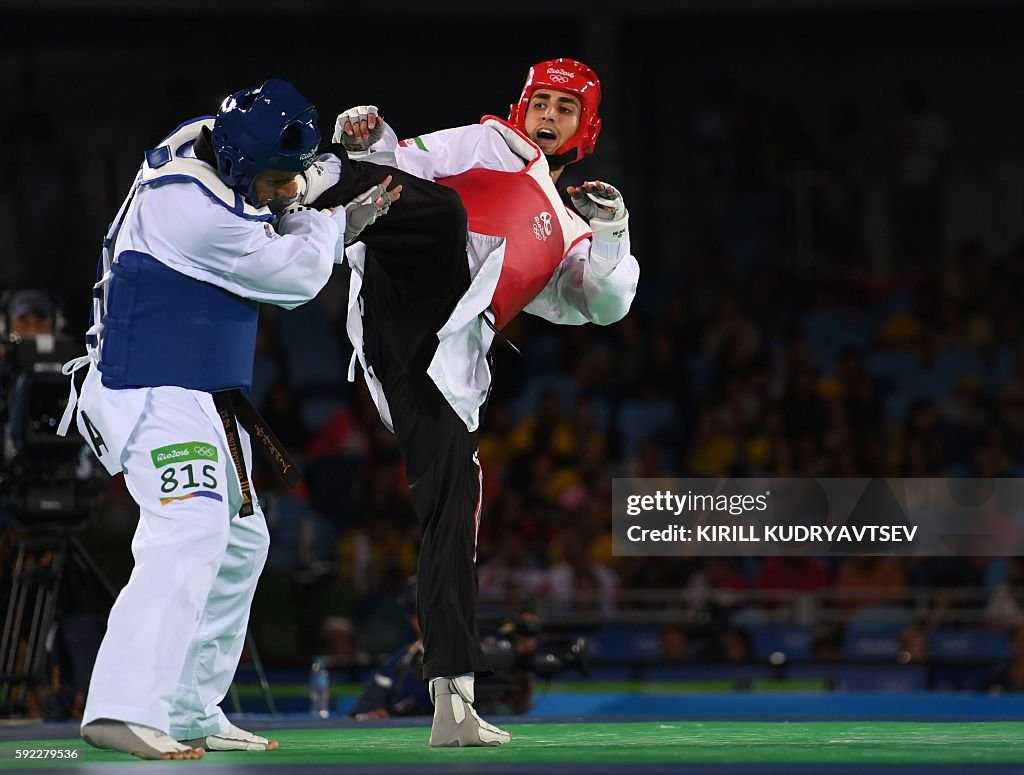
136,739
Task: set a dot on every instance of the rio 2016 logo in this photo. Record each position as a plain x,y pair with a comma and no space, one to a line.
179,453
542,226
559,76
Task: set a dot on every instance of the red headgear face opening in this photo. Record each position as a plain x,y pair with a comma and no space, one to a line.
573,77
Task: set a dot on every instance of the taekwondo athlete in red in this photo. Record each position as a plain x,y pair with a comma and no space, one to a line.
526,252
596,279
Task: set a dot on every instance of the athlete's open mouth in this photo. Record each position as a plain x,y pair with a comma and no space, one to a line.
546,139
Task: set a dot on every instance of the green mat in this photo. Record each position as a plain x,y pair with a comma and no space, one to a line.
351,690
608,743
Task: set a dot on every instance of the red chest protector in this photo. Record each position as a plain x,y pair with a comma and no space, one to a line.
523,208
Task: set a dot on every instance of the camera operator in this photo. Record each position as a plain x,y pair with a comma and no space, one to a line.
30,312
509,689
396,688
45,499
33,390
517,651
27,313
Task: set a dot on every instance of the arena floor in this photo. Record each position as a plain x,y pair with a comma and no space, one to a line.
576,746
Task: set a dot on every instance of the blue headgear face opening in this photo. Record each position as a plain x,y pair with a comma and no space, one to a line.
269,128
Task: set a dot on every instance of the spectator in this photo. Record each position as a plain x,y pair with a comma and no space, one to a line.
30,312
870,581
675,645
922,150
1009,675
799,574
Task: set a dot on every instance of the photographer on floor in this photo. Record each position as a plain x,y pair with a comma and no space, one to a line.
517,650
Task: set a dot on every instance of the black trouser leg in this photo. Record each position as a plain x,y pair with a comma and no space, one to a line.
446,496
408,294
444,480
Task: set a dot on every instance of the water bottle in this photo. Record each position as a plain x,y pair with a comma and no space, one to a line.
320,689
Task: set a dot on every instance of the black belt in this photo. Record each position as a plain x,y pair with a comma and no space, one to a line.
232,404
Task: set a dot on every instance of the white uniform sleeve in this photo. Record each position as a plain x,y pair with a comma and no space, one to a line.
189,232
454,151
595,283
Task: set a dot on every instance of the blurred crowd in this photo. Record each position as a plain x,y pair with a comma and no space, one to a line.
758,372
738,362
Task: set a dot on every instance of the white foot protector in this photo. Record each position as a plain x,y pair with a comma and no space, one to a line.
456,723
136,739
235,739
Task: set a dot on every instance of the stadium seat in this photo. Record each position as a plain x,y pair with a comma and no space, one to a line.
1002,371
828,331
969,645
544,354
313,363
641,421
874,633
793,640
529,400
615,643
313,355
701,370
265,372
950,366
894,366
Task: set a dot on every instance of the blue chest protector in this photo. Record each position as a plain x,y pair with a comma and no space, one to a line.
161,327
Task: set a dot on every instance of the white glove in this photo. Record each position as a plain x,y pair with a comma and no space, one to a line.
312,183
365,135
366,208
602,205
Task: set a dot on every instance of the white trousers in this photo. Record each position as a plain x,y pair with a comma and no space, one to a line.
177,629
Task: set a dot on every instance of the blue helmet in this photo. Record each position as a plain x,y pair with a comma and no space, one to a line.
269,128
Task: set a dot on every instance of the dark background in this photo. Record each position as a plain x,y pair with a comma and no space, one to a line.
86,91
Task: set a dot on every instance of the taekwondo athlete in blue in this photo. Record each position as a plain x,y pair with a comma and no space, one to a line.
192,252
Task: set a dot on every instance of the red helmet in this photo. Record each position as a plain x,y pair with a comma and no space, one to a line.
573,77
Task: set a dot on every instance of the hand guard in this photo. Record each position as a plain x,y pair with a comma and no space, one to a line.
354,116
312,183
605,210
364,210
